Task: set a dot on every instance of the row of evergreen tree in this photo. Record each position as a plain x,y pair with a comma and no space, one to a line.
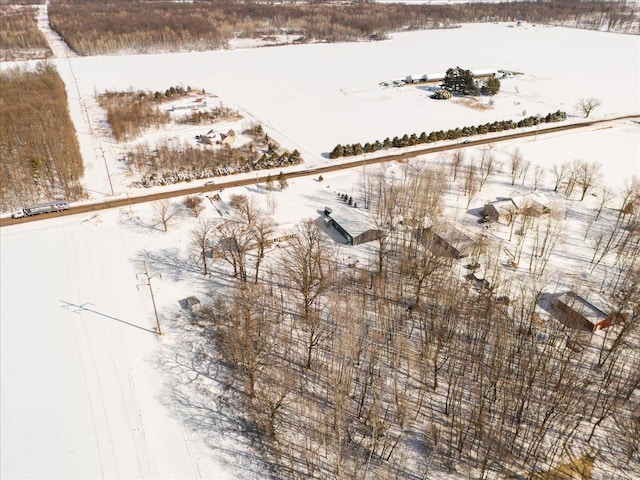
451,134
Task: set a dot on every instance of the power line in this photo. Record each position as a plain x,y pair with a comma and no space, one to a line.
153,300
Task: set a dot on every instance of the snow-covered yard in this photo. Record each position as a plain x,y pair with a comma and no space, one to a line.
88,390
85,393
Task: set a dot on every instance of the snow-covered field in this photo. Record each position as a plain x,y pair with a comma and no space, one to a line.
84,391
88,390
312,97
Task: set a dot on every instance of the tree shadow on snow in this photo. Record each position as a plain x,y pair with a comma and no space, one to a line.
196,389
137,224
169,261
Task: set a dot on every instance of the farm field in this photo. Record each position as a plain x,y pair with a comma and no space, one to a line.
330,94
123,402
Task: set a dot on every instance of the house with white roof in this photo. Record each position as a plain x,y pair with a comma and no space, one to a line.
504,210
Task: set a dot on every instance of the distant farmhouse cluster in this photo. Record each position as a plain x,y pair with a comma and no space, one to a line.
459,81
439,77
218,138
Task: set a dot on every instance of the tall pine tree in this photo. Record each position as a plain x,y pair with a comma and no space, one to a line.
460,81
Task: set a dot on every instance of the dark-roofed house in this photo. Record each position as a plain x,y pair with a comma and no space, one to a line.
353,224
445,239
502,211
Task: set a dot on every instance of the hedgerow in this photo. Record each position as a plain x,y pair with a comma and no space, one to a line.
435,136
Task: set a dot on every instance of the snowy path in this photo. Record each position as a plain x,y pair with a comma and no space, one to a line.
97,176
58,47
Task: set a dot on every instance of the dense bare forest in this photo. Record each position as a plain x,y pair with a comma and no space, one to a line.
400,367
99,27
130,113
38,144
19,34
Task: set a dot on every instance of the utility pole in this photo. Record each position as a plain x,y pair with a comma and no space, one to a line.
153,300
106,166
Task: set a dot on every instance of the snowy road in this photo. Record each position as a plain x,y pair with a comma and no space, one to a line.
83,395
58,47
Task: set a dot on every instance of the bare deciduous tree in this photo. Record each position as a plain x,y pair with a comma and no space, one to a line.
305,262
587,175
559,173
246,323
538,175
457,160
262,231
516,161
472,182
524,170
587,105
606,195
165,212
487,165
631,198
200,239
572,176
233,245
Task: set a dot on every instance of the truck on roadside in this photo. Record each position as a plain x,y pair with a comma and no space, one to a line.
49,207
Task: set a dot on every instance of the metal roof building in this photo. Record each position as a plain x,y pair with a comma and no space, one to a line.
353,224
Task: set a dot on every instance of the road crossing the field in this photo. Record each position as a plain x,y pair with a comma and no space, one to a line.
221,183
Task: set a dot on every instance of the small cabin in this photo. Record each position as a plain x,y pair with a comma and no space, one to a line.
445,240
191,304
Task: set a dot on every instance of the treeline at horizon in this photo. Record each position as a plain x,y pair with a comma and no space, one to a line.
96,27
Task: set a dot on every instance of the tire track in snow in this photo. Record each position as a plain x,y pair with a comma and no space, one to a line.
94,367
80,355
116,370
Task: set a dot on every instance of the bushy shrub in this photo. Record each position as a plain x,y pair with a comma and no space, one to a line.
442,95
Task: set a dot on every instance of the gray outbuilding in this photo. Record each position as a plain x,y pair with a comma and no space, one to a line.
353,224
